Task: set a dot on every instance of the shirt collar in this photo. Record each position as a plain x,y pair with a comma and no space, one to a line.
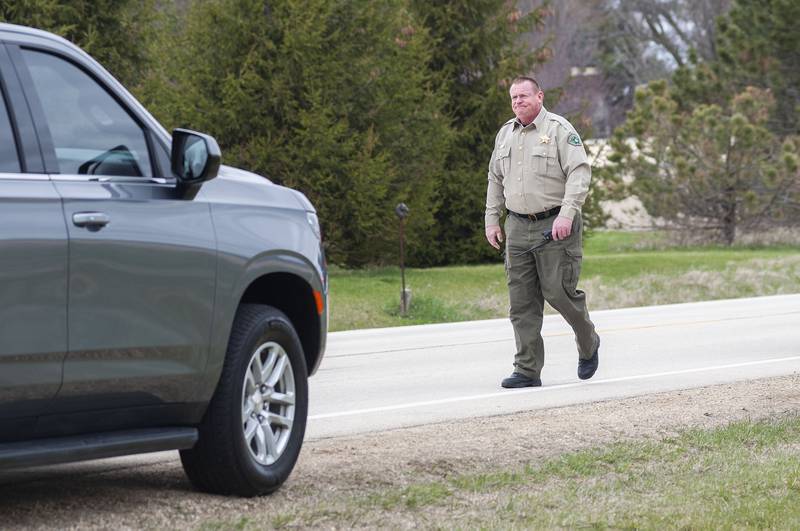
538,122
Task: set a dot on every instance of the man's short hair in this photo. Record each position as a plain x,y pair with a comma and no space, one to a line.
522,79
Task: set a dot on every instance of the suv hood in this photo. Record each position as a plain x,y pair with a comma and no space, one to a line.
244,187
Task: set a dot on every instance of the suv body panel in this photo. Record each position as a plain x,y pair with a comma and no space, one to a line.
33,301
238,210
237,231
144,342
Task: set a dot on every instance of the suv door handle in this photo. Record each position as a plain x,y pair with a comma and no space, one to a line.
90,220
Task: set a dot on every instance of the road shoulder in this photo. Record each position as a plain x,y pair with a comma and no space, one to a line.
335,476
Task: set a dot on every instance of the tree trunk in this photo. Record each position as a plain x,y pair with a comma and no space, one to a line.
729,221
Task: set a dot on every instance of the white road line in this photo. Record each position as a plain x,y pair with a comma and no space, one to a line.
511,392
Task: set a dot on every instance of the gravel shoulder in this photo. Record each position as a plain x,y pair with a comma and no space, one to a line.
334,474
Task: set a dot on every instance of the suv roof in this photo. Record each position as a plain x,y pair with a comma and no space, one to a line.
25,30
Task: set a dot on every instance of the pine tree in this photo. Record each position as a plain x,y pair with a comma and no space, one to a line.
115,32
710,169
759,45
477,51
331,98
715,149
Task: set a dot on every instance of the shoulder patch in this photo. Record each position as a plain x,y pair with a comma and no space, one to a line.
574,140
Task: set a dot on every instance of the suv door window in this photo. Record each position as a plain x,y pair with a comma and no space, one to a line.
9,159
92,133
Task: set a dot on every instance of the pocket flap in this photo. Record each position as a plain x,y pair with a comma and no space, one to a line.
503,151
543,151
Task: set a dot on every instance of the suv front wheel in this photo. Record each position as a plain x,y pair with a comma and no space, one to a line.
251,435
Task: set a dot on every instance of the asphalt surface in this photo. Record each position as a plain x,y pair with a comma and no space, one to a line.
372,380
387,378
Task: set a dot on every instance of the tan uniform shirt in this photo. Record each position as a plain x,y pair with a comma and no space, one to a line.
537,167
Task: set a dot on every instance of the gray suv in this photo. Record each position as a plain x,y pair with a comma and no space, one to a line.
150,299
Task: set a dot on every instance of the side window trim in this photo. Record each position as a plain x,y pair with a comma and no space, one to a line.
42,128
154,145
37,113
29,151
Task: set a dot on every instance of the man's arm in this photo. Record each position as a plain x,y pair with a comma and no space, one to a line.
575,164
576,167
495,202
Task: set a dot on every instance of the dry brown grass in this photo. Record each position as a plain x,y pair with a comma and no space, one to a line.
743,279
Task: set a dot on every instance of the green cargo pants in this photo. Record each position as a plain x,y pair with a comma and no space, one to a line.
550,274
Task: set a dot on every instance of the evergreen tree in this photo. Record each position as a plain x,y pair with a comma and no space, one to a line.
331,98
709,169
477,51
115,32
737,169
759,45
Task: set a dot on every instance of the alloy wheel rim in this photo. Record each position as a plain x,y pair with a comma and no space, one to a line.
268,403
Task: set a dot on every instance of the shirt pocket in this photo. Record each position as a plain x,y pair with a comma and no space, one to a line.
545,166
503,161
544,159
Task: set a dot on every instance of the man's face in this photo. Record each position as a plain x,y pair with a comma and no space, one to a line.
526,101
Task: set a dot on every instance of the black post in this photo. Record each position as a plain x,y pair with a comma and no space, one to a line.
403,263
402,212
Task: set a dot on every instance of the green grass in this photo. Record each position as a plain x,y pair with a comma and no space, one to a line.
613,267
744,475
619,269
609,242
412,497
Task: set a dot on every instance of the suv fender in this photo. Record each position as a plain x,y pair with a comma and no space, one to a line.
285,281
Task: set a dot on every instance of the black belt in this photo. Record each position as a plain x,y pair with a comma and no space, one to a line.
539,215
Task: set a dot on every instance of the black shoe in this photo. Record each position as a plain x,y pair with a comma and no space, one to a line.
587,368
520,380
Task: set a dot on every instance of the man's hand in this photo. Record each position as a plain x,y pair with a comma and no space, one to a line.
562,228
494,234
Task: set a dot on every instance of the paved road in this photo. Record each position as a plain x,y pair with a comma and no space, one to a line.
378,379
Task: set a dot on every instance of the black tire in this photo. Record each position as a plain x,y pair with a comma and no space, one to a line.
222,462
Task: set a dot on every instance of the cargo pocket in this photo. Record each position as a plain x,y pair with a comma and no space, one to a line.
571,269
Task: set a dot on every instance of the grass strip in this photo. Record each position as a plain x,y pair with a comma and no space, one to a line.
745,475
616,274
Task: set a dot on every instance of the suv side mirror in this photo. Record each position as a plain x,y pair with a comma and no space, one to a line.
195,157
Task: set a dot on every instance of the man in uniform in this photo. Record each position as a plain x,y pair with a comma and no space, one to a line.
540,173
